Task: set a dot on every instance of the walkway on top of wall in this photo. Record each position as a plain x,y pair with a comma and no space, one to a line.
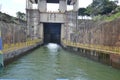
100,48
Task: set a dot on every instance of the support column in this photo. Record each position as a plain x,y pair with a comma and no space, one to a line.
28,22
41,31
28,8
28,4
35,17
42,5
62,32
62,5
75,5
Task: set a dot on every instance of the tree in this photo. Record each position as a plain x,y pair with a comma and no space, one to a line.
108,7
116,1
82,11
101,7
21,15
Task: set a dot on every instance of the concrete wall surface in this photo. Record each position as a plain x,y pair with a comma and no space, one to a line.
52,17
98,33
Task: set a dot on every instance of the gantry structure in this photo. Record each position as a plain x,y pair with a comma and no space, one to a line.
37,17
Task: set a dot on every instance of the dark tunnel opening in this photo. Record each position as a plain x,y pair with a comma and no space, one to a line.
52,33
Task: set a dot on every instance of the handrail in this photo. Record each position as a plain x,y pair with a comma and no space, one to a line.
19,45
101,48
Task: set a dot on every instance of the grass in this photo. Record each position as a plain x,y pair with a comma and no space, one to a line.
113,17
107,17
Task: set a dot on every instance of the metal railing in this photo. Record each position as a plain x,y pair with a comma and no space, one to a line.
101,48
19,45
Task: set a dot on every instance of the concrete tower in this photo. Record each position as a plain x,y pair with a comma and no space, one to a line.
36,18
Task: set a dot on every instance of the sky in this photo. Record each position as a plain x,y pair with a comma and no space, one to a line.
12,6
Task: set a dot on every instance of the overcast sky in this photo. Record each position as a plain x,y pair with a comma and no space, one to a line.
13,6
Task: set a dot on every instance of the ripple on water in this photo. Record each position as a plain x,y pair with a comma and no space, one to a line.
51,62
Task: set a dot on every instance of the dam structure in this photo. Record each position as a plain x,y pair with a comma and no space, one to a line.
51,26
73,38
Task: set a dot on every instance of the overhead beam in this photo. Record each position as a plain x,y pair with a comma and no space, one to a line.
33,1
69,2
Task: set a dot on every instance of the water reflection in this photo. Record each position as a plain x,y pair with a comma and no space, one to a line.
53,47
51,62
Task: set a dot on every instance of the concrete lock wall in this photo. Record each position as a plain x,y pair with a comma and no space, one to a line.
13,55
12,32
98,33
15,41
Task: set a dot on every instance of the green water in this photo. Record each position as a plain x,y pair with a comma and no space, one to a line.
49,63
